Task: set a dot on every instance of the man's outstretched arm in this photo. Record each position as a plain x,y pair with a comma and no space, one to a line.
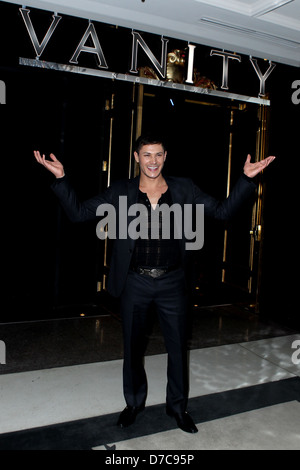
75,210
243,189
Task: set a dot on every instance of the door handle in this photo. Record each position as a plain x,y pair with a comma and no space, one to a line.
256,233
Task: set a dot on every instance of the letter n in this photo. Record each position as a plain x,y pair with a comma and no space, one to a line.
160,67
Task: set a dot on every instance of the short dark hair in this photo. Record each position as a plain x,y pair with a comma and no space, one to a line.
149,139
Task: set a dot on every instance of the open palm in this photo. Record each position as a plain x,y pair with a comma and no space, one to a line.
52,165
252,169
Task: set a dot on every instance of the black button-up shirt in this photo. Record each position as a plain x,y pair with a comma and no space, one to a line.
156,252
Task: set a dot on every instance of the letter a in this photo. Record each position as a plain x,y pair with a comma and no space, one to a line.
109,221
296,94
92,50
2,353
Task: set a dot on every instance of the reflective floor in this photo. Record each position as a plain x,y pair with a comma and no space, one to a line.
61,385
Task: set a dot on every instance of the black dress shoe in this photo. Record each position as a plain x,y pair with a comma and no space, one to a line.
128,415
184,421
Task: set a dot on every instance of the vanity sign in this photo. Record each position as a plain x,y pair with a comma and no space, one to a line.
90,44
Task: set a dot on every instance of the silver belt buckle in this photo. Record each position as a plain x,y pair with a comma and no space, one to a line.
156,272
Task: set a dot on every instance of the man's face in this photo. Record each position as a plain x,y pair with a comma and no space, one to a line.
151,159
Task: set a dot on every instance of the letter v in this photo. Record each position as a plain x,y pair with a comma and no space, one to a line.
38,47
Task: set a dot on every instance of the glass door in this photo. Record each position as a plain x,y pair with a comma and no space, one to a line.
208,140
243,239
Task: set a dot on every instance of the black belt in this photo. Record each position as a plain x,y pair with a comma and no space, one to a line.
154,272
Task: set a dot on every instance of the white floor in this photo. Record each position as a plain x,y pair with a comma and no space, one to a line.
39,398
272,428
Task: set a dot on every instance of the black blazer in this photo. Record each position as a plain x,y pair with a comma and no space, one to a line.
183,191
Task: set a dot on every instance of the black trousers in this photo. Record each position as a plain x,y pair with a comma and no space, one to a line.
168,294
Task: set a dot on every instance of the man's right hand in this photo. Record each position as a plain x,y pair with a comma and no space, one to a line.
54,166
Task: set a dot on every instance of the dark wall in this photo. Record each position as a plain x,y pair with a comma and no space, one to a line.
66,115
41,114
279,299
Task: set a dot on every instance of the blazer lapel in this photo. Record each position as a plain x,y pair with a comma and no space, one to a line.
177,198
132,198
175,190
132,190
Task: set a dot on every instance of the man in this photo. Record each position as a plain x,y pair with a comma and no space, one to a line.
149,270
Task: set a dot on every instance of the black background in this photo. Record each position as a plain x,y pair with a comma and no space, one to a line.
48,263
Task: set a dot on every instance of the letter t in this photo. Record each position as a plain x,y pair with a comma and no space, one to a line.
226,56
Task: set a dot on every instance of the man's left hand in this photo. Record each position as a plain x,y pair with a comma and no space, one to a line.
252,169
